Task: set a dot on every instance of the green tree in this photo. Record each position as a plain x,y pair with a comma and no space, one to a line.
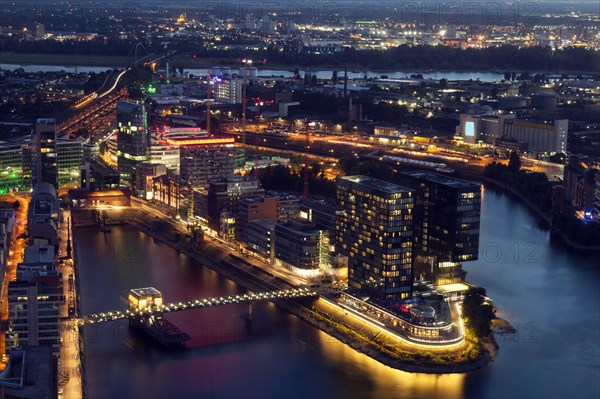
514,163
478,312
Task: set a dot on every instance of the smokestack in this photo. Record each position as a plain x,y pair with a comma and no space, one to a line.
345,82
349,109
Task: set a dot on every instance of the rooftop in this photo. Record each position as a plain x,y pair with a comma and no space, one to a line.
82,193
376,184
145,292
39,253
442,179
29,373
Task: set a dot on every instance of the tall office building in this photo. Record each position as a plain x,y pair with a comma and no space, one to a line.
374,229
229,91
33,309
12,164
447,216
207,159
69,157
45,165
132,139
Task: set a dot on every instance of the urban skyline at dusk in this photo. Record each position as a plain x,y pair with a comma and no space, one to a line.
353,199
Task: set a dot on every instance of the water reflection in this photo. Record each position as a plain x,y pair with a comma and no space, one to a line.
549,293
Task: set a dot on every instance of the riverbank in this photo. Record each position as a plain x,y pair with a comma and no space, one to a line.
372,342
66,60
539,213
79,311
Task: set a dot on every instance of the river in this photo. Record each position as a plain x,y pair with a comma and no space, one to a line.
548,293
321,74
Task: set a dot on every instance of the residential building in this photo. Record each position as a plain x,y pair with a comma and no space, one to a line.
228,91
33,309
252,209
374,229
223,200
43,213
300,246
446,223
259,235
201,163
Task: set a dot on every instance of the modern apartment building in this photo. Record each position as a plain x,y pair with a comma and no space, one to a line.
374,229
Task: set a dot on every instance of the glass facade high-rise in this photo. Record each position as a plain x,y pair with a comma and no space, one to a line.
69,158
45,152
447,217
132,139
374,229
11,166
202,163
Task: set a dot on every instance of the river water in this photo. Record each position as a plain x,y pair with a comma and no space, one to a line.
548,293
321,74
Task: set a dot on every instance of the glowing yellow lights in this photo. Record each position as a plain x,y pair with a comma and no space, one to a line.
200,141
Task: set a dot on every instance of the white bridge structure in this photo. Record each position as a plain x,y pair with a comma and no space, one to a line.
146,303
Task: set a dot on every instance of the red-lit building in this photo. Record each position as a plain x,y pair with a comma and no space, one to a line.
99,198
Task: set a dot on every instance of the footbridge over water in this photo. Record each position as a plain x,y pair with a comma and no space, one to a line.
147,304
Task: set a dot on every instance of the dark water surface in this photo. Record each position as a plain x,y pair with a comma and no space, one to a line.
550,294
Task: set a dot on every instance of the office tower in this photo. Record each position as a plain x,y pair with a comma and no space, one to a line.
132,139
45,155
33,309
374,229
229,91
69,157
208,159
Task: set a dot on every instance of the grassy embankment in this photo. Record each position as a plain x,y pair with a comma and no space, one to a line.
471,352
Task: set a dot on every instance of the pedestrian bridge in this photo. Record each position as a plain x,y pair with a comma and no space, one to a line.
147,302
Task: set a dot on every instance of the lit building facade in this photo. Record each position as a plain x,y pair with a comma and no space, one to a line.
11,166
69,157
33,310
223,201
202,163
167,192
374,229
229,91
582,175
299,246
45,165
132,139
540,136
446,222
97,175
